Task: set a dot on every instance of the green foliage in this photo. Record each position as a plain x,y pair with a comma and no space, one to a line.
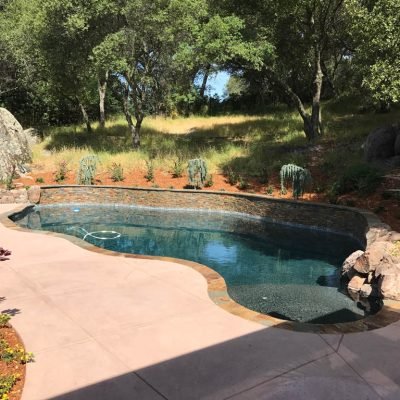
269,190
197,171
116,172
149,171
178,168
209,181
6,384
300,177
232,176
362,178
87,170
9,181
14,353
39,180
243,184
4,319
236,86
62,171
374,30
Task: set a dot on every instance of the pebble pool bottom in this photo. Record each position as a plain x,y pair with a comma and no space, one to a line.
288,272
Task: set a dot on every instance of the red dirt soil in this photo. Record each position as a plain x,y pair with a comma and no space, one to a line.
388,210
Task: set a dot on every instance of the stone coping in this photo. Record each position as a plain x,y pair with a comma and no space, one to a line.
218,291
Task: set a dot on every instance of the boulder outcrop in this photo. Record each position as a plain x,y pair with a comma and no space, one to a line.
14,145
376,271
383,143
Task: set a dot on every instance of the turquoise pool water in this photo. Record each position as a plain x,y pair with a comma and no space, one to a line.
284,271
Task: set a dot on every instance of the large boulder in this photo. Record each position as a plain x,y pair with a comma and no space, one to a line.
348,265
390,284
14,146
376,259
381,143
34,194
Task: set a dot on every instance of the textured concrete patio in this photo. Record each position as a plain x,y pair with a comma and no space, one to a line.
105,327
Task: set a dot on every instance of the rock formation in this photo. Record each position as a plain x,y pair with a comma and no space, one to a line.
376,271
383,144
14,145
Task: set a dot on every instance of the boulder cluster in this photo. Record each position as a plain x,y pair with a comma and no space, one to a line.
375,272
15,145
20,196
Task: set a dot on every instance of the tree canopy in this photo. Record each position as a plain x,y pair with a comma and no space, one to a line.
59,58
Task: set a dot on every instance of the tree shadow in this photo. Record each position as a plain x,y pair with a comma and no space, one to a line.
11,311
267,364
218,137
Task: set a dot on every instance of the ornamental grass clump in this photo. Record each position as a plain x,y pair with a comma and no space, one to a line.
87,170
300,178
197,171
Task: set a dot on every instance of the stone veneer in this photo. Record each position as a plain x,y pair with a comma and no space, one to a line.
320,216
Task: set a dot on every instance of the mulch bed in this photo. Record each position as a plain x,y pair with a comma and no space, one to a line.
14,367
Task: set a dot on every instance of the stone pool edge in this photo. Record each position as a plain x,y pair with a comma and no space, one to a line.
218,291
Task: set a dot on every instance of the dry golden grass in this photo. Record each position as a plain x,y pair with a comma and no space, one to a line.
251,145
184,126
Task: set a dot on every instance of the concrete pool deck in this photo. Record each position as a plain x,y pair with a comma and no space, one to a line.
104,327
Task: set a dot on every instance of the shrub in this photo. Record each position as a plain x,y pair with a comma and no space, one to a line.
150,171
6,384
269,190
361,177
197,171
62,171
231,176
9,181
14,353
300,177
116,172
87,170
39,180
243,184
4,318
209,181
178,168
264,176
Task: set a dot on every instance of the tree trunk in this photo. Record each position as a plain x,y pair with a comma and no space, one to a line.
102,97
205,79
136,133
329,81
316,120
384,106
127,113
85,116
134,129
293,99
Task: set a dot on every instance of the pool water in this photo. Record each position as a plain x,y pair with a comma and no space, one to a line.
287,272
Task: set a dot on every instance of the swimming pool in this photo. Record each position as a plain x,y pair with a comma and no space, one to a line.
288,272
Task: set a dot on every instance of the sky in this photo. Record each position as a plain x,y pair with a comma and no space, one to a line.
217,83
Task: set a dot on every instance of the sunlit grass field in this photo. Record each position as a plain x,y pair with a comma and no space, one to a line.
249,144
